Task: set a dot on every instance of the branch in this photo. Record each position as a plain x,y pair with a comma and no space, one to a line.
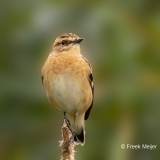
67,143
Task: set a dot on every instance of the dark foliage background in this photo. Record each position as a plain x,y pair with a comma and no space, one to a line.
122,42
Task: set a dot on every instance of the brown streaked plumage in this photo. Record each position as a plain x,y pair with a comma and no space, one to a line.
67,77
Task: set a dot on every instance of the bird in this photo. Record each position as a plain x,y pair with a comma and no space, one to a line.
68,80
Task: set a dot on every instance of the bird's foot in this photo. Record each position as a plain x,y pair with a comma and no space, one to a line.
67,122
73,138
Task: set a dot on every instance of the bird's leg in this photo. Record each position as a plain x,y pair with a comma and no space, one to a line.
73,132
67,121
75,115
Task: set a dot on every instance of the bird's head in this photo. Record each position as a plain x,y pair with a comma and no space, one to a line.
67,42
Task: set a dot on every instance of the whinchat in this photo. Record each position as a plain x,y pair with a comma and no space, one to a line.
67,77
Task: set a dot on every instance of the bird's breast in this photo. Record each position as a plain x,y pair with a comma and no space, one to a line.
65,92
67,85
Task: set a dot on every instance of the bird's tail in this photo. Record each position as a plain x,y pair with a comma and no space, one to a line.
78,129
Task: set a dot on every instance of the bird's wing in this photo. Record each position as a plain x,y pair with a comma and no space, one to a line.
90,78
42,79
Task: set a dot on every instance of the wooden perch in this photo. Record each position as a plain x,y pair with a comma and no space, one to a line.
67,143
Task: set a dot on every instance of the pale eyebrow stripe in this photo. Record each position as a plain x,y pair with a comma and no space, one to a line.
64,36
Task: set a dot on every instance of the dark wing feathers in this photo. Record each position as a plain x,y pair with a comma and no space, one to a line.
90,75
42,79
89,109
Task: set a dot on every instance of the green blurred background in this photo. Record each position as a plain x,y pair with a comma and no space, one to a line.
122,42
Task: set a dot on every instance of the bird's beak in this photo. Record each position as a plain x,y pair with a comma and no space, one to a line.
78,40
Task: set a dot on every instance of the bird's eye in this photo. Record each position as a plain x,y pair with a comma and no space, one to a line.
63,42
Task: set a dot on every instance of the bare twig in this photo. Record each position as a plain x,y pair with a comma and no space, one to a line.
67,144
